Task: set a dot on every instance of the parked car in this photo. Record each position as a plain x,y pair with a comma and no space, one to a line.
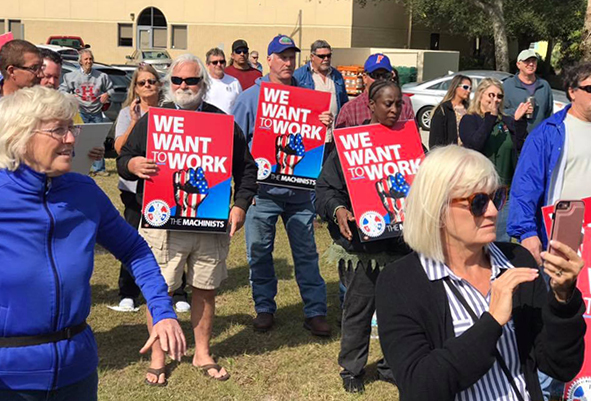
74,42
426,95
129,69
159,59
67,53
120,84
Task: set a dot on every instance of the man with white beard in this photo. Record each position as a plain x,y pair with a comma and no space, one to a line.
203,254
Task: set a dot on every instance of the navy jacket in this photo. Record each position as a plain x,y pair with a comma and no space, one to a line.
304,77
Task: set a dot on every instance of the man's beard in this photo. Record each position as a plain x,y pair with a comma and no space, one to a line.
186,98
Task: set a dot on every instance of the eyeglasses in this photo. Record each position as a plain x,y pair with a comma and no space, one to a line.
479,201
241,51
146,81
466,87
60,133
220,62
378,75
34,69
323,56
499,96
191,81
586,88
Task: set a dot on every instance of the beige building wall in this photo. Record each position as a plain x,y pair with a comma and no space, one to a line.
210,23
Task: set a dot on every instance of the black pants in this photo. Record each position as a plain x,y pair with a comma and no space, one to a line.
358,310
127,286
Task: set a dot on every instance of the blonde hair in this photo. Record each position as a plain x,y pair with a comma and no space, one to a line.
22,112
482,87
131,95
447,172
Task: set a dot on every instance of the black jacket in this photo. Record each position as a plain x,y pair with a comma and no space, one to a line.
430,363
475,130
244,169
331,191
444,129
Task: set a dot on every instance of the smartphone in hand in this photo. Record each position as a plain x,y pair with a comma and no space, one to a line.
567,224
137,108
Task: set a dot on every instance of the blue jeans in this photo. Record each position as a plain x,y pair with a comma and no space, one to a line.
260,226
84,390
98,165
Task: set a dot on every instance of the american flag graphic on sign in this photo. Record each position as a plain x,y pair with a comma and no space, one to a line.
191,189
290,151
392,190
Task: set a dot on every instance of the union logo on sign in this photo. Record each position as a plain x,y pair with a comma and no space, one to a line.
157,213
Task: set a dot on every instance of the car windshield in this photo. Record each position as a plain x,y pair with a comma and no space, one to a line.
66,42
154,54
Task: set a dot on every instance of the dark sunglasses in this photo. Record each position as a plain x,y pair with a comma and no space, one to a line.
586,88
378,75
466,87
241,51
216,62
189,81
34,69
323,56
146,81
499,96
479,201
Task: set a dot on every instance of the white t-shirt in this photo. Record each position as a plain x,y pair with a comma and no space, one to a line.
223,92
577,172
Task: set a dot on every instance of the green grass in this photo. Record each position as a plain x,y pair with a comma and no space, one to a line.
286,363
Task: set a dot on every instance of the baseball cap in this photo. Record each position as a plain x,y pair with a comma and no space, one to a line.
238,44
525,54
280,43
377,61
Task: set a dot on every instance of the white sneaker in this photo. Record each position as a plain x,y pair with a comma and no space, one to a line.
127,304
182,307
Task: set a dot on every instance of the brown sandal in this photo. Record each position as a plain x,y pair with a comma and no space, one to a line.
157,373
205,370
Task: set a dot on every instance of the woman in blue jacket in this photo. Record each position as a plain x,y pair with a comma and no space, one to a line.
50,221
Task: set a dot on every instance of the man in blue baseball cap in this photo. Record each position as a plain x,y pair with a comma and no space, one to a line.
354,113
294,206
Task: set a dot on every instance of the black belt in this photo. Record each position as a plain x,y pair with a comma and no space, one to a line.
26,341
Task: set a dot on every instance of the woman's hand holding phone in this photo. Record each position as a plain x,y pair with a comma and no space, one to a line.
135,110
563,271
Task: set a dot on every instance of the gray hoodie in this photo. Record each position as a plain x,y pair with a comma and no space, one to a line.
87,88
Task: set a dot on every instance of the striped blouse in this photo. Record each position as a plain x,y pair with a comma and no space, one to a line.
494,385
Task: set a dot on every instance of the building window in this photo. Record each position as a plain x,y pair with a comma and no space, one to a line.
15,26
1,26
178,38
152,29
125,35
159,39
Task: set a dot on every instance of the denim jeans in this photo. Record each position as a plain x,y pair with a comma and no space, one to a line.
84,390
502,217
260,226
98,165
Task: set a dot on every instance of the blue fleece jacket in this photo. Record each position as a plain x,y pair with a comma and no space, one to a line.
303,76
48,230
244,112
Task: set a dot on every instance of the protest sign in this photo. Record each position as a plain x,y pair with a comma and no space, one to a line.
193,151
288,138
91,136
5,38
379,165
580,387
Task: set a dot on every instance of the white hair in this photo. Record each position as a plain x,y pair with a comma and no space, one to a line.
204,85
22,112
446,173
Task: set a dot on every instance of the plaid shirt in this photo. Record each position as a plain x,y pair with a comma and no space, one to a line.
357,111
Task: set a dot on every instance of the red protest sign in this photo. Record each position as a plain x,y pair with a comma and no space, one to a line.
288,138
192,189
379,165
5,38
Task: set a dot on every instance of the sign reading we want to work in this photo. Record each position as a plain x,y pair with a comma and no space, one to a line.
379,165
288,141
192,188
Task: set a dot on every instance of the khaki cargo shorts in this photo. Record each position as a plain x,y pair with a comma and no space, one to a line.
204,255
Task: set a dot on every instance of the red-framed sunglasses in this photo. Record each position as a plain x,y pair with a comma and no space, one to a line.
479,201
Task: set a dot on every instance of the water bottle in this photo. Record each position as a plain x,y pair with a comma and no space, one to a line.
374,327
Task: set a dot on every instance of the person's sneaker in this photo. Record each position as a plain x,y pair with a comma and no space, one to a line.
318,326
182,307
127,304
353,384
263,322
102,173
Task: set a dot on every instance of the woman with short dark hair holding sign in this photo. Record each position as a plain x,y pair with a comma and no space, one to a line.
359,262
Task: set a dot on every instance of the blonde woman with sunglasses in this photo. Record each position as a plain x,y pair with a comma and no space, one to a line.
499,137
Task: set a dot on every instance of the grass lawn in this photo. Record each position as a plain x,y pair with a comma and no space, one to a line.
286,363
